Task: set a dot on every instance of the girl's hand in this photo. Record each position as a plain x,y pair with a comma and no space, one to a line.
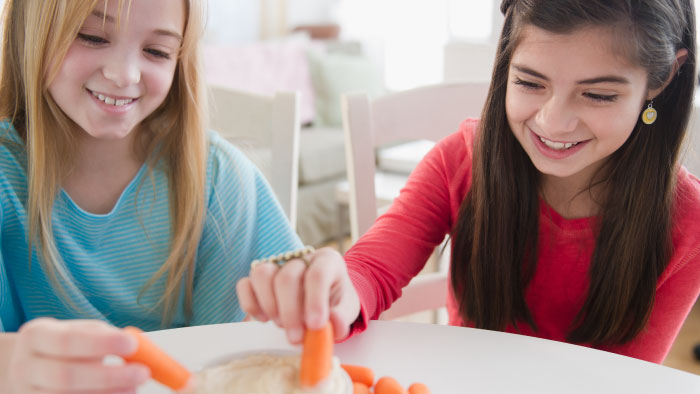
53,356
295,296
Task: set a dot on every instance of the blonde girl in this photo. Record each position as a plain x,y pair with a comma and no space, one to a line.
116,206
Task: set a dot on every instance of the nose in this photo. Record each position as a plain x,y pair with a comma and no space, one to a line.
556,116
122,69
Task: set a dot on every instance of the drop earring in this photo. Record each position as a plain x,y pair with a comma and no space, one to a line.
649,114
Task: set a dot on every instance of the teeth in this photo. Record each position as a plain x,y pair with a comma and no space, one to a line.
112,101
558,145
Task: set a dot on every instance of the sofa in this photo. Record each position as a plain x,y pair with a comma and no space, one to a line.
321,70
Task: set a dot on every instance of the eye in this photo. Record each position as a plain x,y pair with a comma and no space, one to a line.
527,84
157,53
92,40
601,98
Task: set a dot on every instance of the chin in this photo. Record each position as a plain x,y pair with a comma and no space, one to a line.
556,172
109,133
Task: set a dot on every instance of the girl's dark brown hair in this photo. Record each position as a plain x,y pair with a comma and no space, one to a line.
495,237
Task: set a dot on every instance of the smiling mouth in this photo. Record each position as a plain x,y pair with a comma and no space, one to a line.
558,145
117,102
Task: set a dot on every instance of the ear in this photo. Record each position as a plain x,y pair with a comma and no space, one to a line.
681,57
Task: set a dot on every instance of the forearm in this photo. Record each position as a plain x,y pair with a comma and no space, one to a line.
7,345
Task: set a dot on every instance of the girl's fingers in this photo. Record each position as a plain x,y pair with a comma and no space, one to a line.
262,276
52,356
76,376
325,271
345,307
290,298
75,339
297,296
248,300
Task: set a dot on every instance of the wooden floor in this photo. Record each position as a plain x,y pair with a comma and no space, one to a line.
681,354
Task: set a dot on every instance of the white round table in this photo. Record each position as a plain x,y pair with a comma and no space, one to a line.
447,359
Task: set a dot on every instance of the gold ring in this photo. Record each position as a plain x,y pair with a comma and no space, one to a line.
282,258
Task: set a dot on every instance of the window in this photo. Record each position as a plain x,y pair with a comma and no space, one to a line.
410,35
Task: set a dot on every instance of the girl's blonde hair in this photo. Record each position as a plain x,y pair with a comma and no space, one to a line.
37,36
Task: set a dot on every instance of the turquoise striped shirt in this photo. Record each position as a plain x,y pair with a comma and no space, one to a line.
111,257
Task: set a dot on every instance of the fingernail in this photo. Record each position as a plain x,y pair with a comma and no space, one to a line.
132,345
316,322
295,335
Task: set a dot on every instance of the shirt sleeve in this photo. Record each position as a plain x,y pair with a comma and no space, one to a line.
244,222
10,318
397,246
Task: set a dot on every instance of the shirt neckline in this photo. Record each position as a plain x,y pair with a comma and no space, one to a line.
127,191
563,223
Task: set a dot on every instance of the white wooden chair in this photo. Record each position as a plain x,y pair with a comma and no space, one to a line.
266,129
432,113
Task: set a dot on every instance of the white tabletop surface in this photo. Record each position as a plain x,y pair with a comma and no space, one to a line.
447,359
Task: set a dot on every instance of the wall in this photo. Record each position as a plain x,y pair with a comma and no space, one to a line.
233,21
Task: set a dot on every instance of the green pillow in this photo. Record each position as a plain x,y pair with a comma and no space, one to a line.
336,73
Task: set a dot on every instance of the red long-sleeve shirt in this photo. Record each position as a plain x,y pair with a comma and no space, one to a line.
396,248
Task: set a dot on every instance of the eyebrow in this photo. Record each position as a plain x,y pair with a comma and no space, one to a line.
103,16
160,32
601,79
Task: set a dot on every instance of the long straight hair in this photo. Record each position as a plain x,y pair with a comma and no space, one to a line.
37,35
496,234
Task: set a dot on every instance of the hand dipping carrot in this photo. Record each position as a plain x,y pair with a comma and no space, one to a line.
316,356
388,385
164,368
359,374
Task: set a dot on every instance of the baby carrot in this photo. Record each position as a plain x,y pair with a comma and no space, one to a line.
360,388
316,356
163,368
418,388
388,385
359,374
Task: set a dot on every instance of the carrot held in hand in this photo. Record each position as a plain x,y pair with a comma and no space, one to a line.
164,368
316,356
389,385
418,388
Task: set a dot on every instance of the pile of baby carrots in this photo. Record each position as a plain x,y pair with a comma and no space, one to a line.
363,383
316,364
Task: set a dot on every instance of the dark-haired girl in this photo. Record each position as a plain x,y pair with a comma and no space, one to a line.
570,216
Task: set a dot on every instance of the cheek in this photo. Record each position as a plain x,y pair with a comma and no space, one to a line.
519,107
618,121
70,76
159,79
78,63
